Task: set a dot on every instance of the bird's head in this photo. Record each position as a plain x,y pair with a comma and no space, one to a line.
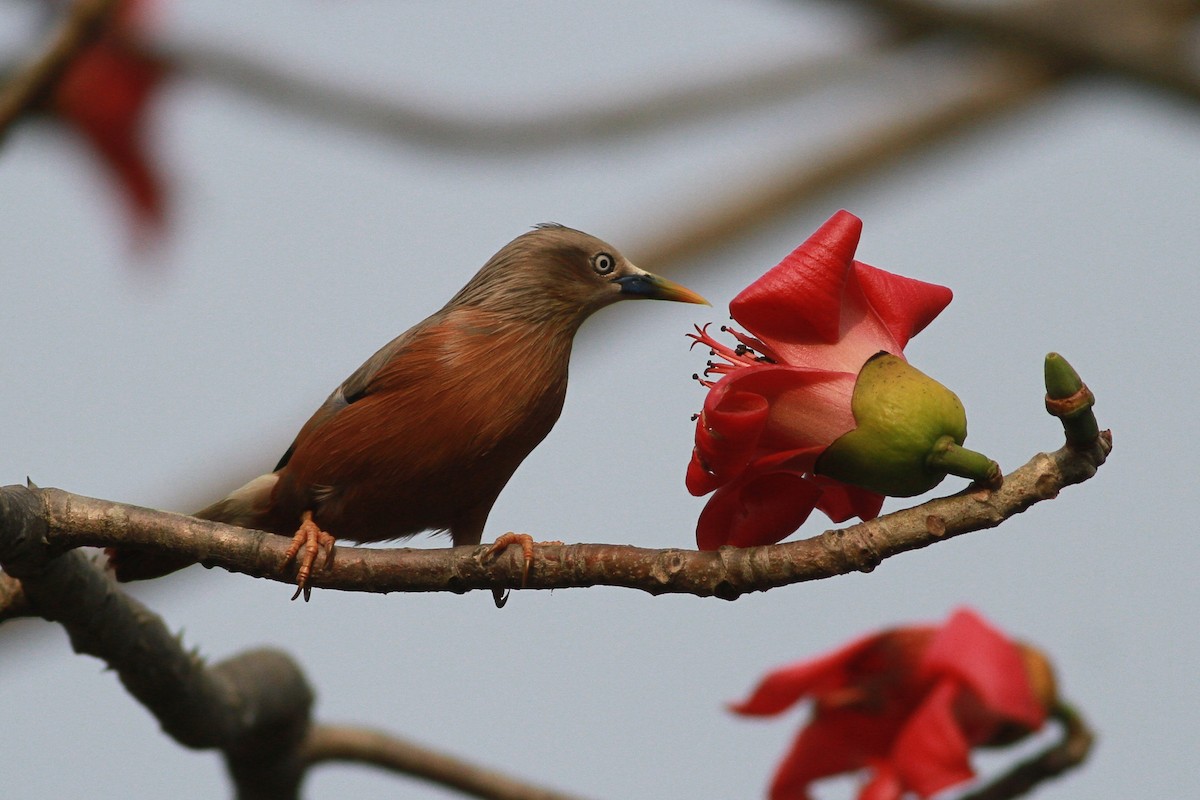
555,272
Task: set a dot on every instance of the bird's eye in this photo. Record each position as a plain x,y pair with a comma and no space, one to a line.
603,263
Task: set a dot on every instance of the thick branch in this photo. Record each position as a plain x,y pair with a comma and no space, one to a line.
253,707
1145,41
345,743
25,89
13,602
73,521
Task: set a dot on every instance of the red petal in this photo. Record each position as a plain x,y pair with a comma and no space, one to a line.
825,747
771,412
781,688
820,308
756,509
930,753
728,430
885,784
974,652
800,299
904,305
104,95
841,501
699,480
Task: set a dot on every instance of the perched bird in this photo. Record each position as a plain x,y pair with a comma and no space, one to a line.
426,433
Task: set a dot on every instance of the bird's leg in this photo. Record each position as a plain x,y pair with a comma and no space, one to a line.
502,542
310,538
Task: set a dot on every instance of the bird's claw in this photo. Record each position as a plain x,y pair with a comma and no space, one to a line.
500,545
313,541
524,539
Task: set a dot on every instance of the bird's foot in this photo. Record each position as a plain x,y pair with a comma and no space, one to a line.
312,540
500,545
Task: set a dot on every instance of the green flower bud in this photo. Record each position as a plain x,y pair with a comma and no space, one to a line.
908,435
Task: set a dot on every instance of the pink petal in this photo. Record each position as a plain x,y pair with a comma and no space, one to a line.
781,688
800,299
982,658
931,754
807,407
904,305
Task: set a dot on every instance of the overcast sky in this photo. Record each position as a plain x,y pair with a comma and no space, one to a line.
297,247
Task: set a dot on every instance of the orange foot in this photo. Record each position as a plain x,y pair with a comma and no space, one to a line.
501,544
312,540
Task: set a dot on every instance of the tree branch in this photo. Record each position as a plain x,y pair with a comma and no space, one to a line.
1004,83
71,521
410,121
13,602
1067,754
346,743
26,88
1145,41
254,707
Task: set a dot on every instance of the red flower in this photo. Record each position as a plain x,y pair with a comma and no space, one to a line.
907,704
816,407
104,94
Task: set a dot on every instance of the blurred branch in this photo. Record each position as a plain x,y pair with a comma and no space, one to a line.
254,707
13,602
1145,41
1040,42
1067,754
80,24
71,521
344,743
409,122
1004,83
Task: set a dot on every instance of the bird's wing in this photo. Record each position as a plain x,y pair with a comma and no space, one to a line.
354,388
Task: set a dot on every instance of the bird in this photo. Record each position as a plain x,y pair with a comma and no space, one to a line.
428,431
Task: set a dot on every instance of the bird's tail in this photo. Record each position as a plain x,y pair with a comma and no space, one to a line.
244,507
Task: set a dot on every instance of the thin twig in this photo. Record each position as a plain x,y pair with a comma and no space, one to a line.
364,746
81,23
1067,754
73,521
1004,84
410,121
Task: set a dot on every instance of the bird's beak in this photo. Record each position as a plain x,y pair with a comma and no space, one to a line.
648,286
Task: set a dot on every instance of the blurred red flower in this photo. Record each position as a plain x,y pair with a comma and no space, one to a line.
104,94
787,392
907,704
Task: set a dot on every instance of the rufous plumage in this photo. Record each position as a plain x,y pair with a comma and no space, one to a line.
428,431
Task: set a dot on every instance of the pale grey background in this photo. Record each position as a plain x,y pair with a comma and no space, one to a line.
297,248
